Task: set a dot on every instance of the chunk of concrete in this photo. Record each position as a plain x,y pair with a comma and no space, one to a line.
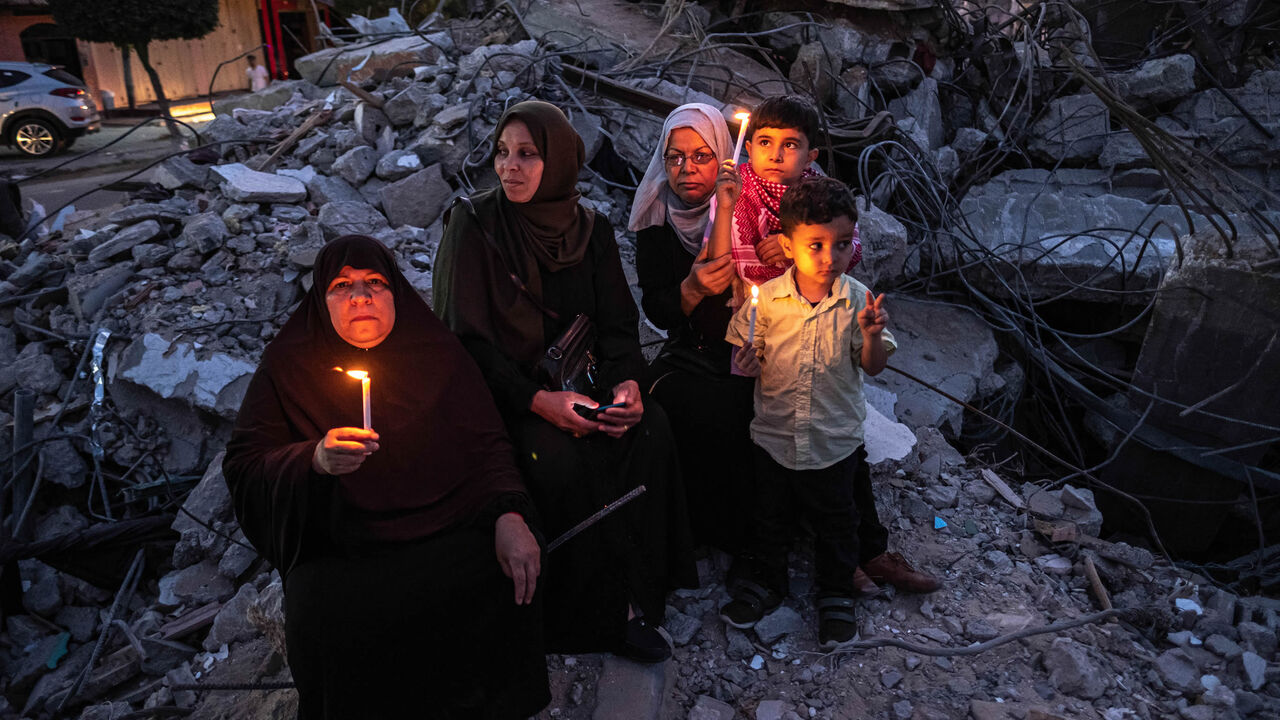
1178,671
356,164
212,381
887,257
1033,219
232,623
628,689
242,184
179,172
778,624
210,501
398,164
923,105
416,200
205,232
122,242
1071,129
36,371
1162,79
88,294
343,218
199,584
946,346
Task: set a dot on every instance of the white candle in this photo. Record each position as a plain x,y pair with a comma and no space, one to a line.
363,377
745,119
755,300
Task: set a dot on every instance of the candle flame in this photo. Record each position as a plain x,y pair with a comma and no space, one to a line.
755,294
357,374
742,116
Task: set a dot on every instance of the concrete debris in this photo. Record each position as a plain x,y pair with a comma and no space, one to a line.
197,273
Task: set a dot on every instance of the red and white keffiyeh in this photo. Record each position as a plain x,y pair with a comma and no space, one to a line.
755,216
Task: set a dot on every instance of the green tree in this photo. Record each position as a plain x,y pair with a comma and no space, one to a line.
133,24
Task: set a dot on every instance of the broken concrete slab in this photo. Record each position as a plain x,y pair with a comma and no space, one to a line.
396,55
122,242
943,345
1063,232
212,381
241,184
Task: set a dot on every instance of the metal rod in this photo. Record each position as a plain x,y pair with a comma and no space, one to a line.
24,402
596,517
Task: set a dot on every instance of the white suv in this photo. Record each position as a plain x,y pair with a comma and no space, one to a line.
43,109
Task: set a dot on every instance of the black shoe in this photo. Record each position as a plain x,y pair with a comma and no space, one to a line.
643,643
750,603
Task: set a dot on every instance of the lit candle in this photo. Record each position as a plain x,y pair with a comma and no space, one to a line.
755,300
363,377
743,118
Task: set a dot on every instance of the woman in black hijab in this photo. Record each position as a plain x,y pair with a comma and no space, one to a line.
386,537
606,588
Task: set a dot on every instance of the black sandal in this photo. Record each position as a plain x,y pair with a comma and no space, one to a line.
837,622
750,603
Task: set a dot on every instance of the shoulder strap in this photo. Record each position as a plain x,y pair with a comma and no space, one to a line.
502,258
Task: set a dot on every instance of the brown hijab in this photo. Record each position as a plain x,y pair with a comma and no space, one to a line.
551,232
444,452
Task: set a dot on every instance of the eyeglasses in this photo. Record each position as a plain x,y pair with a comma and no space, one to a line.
675,160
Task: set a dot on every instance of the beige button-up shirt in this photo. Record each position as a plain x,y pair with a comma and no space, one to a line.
809,403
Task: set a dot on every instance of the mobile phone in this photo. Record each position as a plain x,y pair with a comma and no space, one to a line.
590,413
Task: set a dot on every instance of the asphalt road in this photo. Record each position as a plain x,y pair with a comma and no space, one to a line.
95,161
53,192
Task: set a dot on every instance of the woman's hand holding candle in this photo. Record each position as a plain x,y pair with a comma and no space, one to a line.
343,450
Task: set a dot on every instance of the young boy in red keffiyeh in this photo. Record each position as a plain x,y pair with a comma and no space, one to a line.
782,144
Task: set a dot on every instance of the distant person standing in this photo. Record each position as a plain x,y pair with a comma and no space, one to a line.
258,77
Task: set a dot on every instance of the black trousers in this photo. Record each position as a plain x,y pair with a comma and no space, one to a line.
710,419
839,506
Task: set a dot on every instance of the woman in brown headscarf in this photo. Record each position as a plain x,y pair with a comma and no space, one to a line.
386,537
606,587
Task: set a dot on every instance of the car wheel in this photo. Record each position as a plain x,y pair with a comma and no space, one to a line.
36,138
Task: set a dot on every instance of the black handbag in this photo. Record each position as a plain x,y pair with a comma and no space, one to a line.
568,363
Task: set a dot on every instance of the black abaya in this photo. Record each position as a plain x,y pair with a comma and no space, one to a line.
395,598
644,549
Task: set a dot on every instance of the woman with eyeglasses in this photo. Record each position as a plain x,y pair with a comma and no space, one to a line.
688,295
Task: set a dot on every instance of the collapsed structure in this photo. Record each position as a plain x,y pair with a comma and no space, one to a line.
1066,243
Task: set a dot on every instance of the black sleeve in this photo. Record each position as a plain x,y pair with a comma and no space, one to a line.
659,277
457,261
617,318
283,505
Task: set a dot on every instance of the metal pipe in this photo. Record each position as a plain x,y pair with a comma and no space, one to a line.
24,405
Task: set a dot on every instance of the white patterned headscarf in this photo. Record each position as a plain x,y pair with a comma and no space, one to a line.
655,202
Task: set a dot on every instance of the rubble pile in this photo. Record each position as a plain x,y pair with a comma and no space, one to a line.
135,331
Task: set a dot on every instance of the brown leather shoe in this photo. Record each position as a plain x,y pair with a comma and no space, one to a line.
863,585
893,569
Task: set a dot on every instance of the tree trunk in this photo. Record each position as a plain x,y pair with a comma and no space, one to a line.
144,57
128,76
